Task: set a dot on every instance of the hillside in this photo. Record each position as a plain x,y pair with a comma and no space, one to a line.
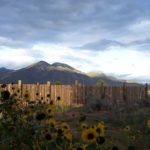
42,72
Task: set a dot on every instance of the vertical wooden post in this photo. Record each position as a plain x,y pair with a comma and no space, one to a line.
146,91
38,91
76,91
20,88
49,90
103,91
9,88
124,94
76,82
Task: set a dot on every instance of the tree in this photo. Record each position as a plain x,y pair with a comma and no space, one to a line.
101,83
58,83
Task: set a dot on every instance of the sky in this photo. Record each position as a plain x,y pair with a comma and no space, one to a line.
109,36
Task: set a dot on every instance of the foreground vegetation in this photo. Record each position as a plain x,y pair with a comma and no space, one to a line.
96,126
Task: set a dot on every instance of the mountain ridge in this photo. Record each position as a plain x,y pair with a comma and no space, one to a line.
42,71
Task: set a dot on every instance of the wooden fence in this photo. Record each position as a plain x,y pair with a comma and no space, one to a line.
77,93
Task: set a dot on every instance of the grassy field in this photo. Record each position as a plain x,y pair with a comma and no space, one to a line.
96,126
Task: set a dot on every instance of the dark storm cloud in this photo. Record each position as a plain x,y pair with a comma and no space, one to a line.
27,22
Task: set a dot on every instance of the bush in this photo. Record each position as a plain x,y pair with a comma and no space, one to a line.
98,104
5,95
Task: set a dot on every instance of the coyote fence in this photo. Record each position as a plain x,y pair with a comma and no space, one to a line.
77,93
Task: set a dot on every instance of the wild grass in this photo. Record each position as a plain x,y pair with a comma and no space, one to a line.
99,125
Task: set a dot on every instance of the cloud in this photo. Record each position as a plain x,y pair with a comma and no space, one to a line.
123,75
118,61
101,35
15,58
68,21
103,44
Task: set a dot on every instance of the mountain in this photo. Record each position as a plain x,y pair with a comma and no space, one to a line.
63,67
4,70
58,64
98,77
42,72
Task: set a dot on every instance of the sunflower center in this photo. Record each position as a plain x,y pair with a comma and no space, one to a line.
90,136
52,124
49,111
26,96
48,137
84,126
60,132
65,127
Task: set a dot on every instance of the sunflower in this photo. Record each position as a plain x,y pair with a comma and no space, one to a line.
37,94
26,96
83,147
52,123
68,136
101,124
3,85
89,135
5,95
58,98
40,116
148,123
84,125
65,126
50,111
48,95
51,103
48,137
127,128
133,138
59,133
100,129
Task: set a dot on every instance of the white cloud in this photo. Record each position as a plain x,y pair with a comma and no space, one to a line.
124,61
115,60
140,25
14,58
4,40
